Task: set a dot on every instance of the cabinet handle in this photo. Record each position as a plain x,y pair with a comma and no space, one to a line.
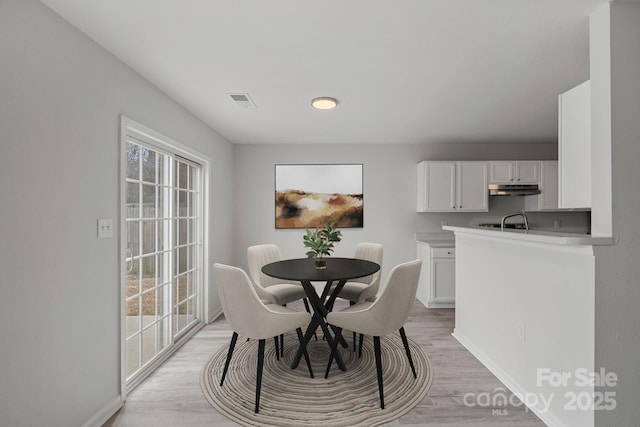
448,253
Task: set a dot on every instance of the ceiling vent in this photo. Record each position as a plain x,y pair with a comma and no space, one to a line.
242,100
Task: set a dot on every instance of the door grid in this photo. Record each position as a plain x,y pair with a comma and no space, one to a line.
163,252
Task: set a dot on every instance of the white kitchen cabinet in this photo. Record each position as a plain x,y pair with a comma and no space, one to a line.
452,187
548,197
574,147
472,183
501,172
436,286
436,186
514,172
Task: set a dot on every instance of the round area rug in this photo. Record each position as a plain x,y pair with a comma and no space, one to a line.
291,398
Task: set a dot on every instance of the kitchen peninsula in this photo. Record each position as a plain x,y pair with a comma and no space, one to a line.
525,307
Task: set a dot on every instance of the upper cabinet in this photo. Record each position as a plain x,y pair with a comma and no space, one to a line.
548,197
472,192
514,172
452,187
574,147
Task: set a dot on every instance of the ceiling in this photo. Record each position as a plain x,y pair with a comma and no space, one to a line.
404,72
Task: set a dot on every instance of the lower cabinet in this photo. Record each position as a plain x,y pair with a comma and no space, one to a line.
436,288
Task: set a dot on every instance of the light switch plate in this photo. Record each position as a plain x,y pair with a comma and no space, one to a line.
105,228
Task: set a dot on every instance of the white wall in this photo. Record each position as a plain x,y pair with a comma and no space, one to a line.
616,132
61,97
600,66
503,285
390,215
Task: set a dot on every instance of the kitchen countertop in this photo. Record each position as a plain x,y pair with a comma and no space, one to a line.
437,240
538,236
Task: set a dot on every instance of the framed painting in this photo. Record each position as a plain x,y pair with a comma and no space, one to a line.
309,196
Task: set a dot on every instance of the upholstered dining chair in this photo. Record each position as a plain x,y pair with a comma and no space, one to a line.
248,316
364,288
276,291
270,289
388,313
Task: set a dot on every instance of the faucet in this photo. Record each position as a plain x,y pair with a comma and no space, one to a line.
522,214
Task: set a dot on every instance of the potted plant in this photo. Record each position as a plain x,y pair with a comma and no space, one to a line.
320,242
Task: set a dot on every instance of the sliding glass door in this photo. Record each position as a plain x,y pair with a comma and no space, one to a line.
163,260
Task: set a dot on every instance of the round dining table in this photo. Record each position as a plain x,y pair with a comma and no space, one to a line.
338,270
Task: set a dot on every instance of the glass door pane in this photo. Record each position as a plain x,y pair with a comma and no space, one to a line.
186,246
162,255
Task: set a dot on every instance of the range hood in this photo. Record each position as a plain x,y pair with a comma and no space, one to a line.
513,189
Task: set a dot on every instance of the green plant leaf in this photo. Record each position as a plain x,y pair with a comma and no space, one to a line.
321,240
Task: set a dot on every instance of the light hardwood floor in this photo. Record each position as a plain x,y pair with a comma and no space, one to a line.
171,396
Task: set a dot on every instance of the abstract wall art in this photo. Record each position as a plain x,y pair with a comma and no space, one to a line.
308,196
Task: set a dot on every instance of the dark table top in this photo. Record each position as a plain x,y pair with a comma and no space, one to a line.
304,269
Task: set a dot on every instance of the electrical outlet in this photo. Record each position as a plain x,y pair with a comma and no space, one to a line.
556,224
105,228
522,331
445,222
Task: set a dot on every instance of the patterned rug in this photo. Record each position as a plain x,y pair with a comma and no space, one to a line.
291,398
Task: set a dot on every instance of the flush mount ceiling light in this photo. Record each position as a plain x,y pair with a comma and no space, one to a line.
324,103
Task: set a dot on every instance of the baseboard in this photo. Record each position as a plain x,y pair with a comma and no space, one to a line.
546,417
432,304
105,413
114,405
215,315
441,305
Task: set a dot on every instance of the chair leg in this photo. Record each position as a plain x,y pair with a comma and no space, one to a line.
376,349
259,373
277,347
334,348
281,345
360,349
354,334
304,351
281,341
232,345
406,349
